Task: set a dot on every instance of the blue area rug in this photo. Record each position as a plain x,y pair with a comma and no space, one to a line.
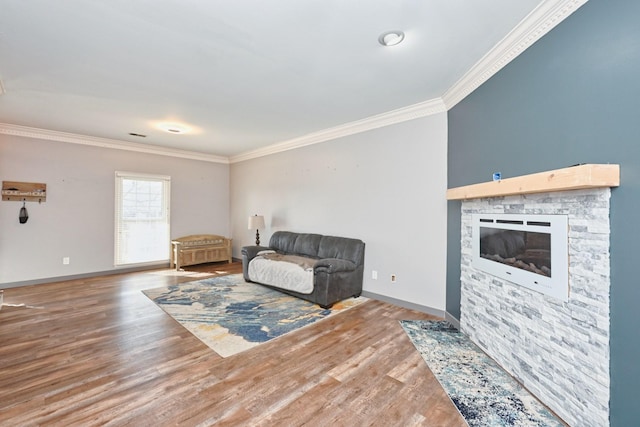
483,392
230,315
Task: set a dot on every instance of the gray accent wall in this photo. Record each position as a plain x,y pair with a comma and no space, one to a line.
573,97
386,186
77,219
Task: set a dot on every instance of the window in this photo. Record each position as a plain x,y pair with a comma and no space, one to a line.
142,218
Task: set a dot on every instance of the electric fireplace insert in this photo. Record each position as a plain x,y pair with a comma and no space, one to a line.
529,250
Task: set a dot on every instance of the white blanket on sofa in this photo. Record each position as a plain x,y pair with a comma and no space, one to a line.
281,273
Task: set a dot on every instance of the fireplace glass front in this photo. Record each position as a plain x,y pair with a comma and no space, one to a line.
529,250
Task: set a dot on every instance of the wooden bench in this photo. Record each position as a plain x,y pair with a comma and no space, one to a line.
199,248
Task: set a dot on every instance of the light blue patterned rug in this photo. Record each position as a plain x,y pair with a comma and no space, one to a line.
483,392
230,315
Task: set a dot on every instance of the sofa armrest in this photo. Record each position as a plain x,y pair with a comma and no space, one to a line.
250,252
334,265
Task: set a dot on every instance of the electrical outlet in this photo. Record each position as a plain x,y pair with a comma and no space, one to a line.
66,260
393,278
374,274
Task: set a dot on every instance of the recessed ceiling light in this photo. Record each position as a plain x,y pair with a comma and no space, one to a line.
391,38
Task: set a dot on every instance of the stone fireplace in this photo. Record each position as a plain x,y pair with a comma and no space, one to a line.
557,348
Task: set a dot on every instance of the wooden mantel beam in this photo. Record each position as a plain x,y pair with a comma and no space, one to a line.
571,178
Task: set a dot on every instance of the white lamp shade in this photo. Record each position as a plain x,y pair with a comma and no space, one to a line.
256,222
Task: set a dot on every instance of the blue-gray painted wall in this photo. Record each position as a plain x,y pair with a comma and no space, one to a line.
573,97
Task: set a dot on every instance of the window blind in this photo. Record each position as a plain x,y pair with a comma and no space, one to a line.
142,204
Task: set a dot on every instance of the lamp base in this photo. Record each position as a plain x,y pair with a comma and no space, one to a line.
257,238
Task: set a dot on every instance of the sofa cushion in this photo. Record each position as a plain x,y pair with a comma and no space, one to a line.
307,245
283,241
303,261
342,248
281,274
287,242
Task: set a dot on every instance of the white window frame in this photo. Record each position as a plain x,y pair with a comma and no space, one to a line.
164,245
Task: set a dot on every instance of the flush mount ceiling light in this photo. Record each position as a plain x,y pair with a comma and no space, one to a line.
391,38
174,128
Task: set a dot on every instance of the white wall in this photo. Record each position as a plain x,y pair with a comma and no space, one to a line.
77,220
386,186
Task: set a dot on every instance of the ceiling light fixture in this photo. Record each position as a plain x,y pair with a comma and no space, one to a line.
174,128
391,38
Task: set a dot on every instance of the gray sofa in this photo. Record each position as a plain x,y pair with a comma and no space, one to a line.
338,264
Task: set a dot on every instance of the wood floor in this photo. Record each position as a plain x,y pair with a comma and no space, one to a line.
98,352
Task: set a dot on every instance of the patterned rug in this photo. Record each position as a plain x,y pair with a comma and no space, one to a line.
483,392
230,315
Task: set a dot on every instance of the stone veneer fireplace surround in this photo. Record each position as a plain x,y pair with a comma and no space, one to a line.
558,350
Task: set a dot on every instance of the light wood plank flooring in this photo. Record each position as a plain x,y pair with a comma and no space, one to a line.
99,352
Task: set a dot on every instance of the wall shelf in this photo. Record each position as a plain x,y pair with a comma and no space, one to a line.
24,191
571,178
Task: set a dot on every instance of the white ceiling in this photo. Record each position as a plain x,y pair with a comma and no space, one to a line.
243,74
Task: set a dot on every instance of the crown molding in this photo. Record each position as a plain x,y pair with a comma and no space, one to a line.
422,109
50,135
534,26
539,22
